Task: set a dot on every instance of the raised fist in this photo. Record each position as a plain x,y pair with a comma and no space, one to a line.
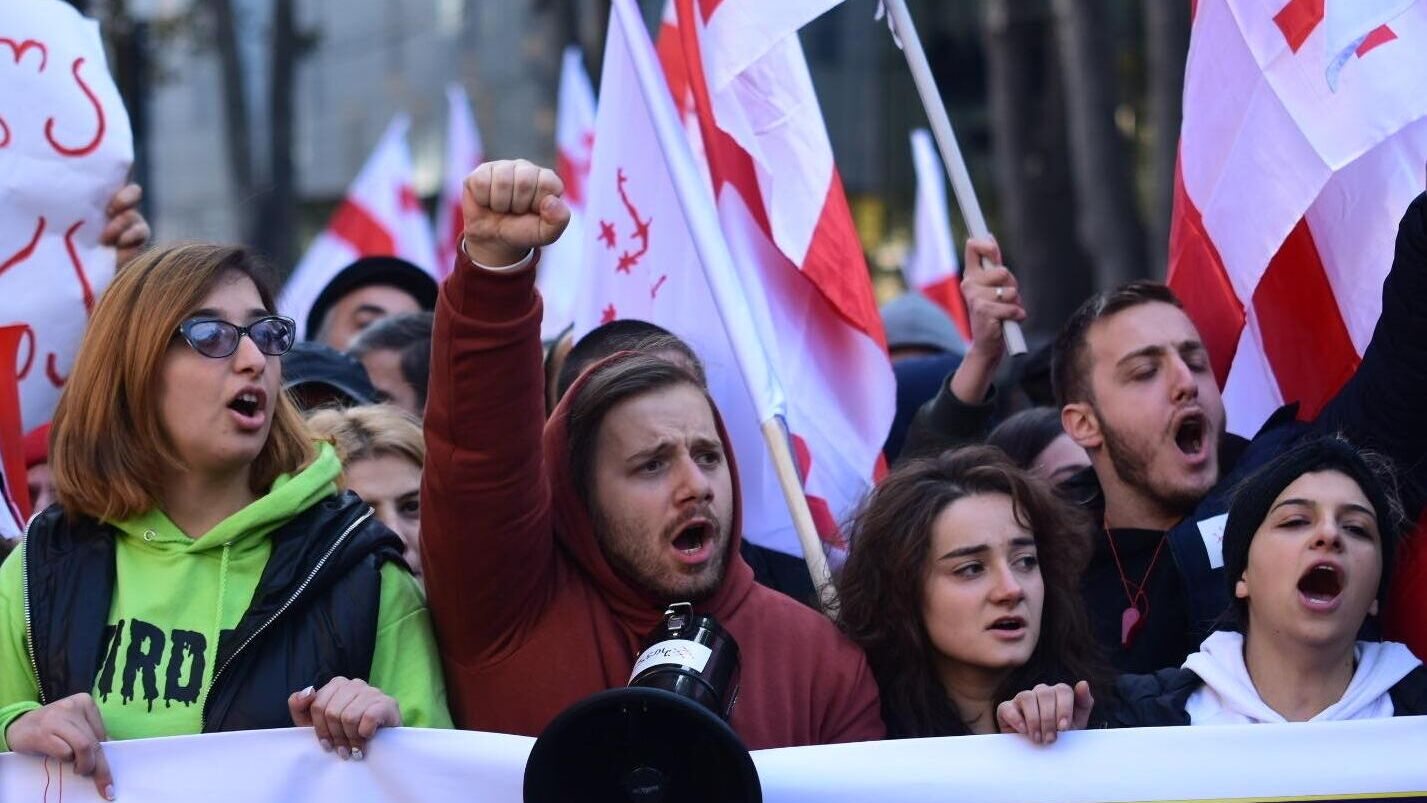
511,207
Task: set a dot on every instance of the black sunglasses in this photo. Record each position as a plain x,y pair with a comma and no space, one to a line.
273,335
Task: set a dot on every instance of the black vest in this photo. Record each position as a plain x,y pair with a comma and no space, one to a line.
313,616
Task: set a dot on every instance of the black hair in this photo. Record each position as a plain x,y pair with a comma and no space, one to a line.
1026,434
622,335
409,335
1070,370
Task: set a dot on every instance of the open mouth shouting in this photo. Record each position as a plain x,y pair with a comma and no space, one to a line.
693,540
1191,435
1320,589
249,408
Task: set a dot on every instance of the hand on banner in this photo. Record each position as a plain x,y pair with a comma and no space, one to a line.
1043,712
125,228
511,207
344,714
992,296
69,730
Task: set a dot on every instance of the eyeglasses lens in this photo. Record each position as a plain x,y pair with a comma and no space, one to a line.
214,338
272,336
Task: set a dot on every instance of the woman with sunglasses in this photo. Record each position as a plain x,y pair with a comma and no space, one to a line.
200,571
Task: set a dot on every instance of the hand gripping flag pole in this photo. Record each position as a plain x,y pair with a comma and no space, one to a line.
906,34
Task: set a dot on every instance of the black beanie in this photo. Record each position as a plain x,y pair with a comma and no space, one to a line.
368,271
1255,496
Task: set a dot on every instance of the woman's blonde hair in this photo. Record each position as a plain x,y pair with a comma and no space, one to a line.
109,452
375,430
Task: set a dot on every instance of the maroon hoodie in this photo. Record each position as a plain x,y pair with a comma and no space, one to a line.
529,615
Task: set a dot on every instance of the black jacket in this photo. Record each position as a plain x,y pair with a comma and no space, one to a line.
1380,408
1145,701
313,616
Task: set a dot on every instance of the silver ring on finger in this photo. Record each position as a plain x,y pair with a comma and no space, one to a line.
1000,292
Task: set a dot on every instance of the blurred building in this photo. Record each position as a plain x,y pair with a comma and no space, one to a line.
364,60
367,60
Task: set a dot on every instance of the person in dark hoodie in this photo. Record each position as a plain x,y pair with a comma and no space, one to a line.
961,585
1136,389
1308,554
200,572
552,550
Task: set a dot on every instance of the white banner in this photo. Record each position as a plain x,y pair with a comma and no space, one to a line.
1336,761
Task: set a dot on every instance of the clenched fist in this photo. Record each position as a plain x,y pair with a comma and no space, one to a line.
511,207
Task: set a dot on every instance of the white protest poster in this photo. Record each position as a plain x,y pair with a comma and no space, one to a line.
65,148
1363,760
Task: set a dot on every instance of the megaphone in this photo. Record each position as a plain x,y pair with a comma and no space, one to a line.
663,738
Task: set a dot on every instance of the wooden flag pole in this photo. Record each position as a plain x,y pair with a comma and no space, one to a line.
793,493
946,143
697,201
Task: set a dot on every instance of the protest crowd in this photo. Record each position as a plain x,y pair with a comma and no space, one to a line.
393,506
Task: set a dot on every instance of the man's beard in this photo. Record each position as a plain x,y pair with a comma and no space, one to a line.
639,562
1132,463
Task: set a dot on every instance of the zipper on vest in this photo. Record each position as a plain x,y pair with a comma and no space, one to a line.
29,629
203,720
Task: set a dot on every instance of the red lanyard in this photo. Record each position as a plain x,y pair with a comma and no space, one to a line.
1134,616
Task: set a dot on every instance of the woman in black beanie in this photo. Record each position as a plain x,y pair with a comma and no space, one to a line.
1308,553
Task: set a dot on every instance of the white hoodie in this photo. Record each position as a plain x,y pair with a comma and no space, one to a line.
1228,696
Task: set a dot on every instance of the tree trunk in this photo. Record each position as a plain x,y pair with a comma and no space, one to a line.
1106,215
275,231
235,110
1026,106
1167,46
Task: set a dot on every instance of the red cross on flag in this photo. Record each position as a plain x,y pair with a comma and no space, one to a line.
560,264
1304,140
464,153
931,266
792,309
381,216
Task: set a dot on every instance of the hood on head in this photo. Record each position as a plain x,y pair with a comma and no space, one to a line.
575,531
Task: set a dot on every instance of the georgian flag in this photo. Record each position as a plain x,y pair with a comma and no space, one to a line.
1304,140
808,345
931,266
464,153
381,216
561,263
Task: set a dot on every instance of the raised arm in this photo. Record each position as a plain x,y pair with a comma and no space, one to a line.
961,411
487,545
1381,406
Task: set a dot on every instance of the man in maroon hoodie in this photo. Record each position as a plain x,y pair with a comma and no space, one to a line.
551,551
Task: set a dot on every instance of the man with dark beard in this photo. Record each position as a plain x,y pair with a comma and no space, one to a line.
552,550
1137,391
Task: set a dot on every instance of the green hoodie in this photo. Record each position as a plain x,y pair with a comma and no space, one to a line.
173,595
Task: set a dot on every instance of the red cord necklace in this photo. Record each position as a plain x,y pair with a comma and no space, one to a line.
1134,616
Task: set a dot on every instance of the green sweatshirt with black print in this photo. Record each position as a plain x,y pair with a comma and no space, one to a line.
173,595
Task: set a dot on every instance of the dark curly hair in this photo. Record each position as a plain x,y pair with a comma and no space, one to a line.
881,586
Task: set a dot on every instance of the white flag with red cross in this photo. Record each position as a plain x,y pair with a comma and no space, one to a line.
1304,140
560,264
464,153
931,266
381,216
805,295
